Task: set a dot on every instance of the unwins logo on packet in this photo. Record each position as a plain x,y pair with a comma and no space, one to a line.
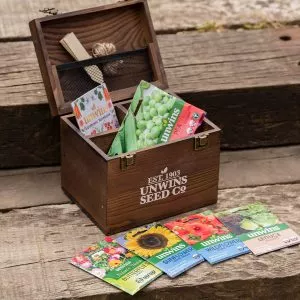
163,185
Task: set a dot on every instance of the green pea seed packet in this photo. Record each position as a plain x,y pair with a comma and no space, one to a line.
159,118
258,228
112,263
205,233
162,248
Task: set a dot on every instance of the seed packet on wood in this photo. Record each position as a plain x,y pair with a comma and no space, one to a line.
209,236
259,229
95,112
112,263
162,248
158,118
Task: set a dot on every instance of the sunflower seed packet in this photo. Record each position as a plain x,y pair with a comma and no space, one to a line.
205,233
258,228
94,111
162,248
112,263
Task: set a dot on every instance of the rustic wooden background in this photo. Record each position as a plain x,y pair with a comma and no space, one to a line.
249,83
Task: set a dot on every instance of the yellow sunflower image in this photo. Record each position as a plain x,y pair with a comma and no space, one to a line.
148,242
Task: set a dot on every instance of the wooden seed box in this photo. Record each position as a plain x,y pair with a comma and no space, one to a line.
128,190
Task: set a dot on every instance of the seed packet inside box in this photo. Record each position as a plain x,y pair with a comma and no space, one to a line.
160,118
162,248
209,236
259,229
112,263
95,112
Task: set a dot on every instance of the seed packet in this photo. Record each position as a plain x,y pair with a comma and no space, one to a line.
95,112
258,228
158,118
209,236
112,263
162,248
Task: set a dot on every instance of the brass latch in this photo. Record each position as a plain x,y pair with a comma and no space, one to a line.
127,161
201,141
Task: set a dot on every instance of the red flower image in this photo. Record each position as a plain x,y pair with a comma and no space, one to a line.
106,94
110,251
197,227
108,126
106,250
108,239
76,111
201,230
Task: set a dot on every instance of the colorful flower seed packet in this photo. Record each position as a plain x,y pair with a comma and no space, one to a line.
162,248
159,118
209,236
95,112
112,263
259,229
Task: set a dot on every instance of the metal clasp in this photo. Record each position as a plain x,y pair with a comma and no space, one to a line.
127,161
201,141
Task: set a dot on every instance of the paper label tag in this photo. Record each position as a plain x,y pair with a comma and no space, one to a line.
270,239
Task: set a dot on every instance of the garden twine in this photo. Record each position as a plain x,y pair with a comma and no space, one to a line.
104,49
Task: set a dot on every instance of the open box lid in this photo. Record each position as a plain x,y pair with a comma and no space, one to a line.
126,24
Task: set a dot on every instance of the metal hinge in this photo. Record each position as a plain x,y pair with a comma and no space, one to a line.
127,161
201,141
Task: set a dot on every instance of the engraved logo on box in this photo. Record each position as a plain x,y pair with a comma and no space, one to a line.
161,186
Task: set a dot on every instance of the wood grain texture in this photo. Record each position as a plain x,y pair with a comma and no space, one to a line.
126,24
112,195
260,167
242,79
31,187
84,174
201,169
38,242
168,15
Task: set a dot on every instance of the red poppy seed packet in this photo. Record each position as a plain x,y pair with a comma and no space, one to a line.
95,112
114,264
208,236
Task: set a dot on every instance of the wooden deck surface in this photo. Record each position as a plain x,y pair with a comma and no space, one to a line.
249,84
41,230
167,15
38,242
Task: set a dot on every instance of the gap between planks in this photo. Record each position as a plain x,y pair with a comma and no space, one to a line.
24,188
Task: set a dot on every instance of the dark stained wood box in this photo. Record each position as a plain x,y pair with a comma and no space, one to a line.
127,190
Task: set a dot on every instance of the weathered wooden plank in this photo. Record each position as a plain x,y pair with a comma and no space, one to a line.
194,62
167,15
242,79
24,187
30,187
259,167
36,244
